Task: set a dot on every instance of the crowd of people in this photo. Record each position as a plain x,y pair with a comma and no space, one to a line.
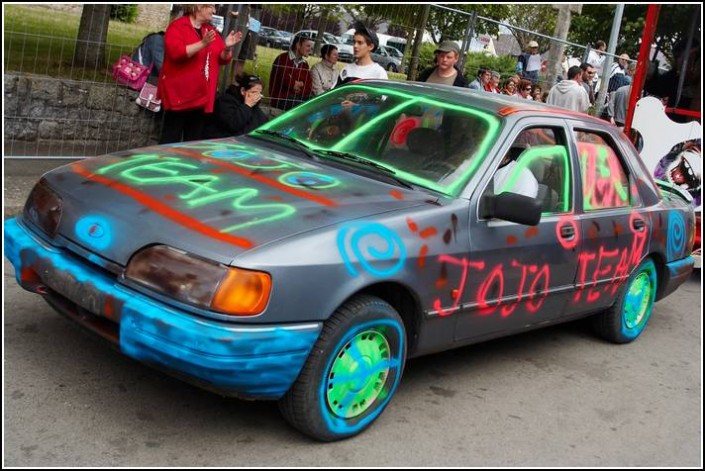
193,51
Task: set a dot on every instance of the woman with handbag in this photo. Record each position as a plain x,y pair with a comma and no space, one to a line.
194,52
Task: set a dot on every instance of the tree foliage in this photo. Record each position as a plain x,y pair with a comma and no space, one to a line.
444,24
124,13
295,17
595,23
537,18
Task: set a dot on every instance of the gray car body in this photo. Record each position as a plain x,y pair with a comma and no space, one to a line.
455,277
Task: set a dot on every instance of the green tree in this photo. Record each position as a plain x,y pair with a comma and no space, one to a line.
124,13
595,23
537,18
443,24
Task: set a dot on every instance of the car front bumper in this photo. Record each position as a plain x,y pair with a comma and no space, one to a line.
242,360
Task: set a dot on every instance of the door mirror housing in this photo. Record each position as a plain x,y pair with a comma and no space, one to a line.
511,207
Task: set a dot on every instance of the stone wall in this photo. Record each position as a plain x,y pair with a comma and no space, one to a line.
61,117
153,15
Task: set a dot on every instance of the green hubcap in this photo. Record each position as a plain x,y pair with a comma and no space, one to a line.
358,374
638,300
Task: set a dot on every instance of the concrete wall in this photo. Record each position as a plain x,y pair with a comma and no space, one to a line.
61,117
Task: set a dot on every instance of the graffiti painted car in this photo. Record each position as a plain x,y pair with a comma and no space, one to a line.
308,260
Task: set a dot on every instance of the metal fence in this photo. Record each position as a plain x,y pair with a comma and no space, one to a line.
53,107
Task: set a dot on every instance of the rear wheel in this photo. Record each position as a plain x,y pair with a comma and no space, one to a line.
391,67
627,318
352,371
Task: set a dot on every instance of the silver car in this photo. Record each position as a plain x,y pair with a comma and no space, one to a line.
388,57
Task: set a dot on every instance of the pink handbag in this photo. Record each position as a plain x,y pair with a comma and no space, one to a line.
148,98
131,73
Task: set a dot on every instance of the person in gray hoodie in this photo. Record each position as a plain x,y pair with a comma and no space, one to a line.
569,93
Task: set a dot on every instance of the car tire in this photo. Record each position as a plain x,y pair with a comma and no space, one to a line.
392,68
628,316
328,409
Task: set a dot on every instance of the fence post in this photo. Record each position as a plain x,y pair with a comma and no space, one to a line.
225,78
467,40
417,43
607,64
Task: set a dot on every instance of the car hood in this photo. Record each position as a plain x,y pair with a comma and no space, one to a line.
217,199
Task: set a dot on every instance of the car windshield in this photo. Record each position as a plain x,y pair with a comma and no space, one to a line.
394,53
424,141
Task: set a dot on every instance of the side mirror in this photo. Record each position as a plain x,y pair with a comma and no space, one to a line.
512,207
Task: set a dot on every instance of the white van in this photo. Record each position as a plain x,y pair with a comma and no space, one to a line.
218,22
384,40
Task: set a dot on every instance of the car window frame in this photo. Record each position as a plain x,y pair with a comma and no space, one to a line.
477,186
635,200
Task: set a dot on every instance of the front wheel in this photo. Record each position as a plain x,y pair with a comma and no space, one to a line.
351,373
627,318
391,67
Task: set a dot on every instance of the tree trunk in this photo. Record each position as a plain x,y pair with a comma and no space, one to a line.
555,53
417,42
92,35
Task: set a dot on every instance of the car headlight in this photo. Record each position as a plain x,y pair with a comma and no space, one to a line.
228,290
44,207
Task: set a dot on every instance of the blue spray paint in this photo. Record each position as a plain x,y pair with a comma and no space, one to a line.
676,235
343,426
256,361
360,241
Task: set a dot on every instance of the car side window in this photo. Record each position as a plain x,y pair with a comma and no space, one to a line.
605,182
537,165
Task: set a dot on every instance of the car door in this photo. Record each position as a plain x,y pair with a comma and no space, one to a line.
613,228
520,275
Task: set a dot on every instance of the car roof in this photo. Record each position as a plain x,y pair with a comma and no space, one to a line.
502,105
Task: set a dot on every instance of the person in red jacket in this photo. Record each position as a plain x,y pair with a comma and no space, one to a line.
194,51
290,80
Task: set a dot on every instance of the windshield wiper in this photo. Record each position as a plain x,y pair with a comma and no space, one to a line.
367,162
300,145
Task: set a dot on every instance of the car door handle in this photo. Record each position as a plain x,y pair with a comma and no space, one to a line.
567,232
638,224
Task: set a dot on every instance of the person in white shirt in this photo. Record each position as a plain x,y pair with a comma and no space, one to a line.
596,58
521,181
324,75
365,42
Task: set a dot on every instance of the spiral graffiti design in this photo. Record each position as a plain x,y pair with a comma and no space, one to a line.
308,180
676,235
373,247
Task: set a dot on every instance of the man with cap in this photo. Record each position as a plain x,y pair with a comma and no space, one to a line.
445,72
531,62
365,42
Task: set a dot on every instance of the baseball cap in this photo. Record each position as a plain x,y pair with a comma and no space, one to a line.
533,44
360,28
448,46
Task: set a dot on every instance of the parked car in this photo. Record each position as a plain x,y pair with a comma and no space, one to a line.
344,54
218,23
270,37
388,57
287,39
308,260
